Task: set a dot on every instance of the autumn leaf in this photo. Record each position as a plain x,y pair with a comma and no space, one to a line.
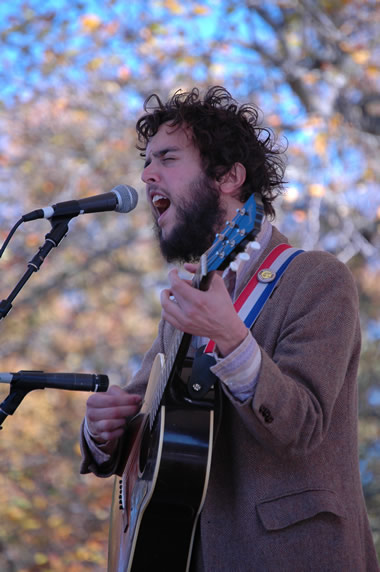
90,22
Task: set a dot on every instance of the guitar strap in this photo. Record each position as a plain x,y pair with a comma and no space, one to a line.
249,306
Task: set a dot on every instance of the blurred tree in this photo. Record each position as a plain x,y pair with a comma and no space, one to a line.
74,76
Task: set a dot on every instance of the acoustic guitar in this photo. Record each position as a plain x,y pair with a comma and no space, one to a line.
158,499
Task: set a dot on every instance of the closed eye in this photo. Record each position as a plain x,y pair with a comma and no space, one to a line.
162,155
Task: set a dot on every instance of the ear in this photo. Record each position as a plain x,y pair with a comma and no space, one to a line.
232,181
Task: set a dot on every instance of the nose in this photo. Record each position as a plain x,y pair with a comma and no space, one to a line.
150,174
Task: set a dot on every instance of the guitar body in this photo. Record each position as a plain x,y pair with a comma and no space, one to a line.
158,499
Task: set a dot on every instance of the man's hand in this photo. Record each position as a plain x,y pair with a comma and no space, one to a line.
210,314
107,413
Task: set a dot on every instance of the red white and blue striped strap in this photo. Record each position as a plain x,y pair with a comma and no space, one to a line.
252,299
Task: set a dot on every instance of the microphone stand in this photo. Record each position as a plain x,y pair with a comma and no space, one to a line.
60,227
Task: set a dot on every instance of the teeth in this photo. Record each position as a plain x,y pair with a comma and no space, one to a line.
158,198
160,203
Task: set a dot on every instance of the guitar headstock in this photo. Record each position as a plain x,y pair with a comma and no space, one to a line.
235,237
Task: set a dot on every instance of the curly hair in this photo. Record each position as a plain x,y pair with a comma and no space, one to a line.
225,133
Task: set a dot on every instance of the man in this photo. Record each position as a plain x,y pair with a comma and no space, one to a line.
284,491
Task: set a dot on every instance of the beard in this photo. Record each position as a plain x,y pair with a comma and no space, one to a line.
198,219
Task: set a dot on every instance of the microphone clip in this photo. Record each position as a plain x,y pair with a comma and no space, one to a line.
10,403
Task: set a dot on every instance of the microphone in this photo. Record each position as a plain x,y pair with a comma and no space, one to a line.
121,199
39,380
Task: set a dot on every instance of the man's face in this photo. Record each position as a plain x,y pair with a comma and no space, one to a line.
185,203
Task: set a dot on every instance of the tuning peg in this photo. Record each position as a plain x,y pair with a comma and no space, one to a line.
234,265
254,245
243,256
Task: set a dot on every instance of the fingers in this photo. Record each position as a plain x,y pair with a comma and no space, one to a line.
190,267
207,313
181,293
107,413
179,296
173,299
175,307
114,396
177,282
181,289
117,412
106,430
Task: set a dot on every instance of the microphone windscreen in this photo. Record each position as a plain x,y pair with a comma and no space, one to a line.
127,198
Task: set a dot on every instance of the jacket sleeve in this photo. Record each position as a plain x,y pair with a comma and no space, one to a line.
316,352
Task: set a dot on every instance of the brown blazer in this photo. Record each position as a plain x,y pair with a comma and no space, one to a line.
285,491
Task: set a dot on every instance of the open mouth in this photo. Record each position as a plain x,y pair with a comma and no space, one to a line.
160,203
